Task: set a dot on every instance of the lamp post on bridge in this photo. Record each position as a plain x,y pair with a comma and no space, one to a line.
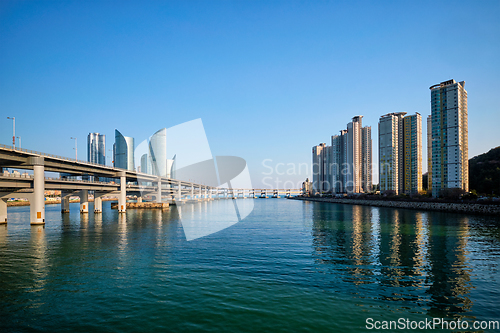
19,141
76,148
13,131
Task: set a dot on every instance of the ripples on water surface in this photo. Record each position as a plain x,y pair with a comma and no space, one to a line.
289,266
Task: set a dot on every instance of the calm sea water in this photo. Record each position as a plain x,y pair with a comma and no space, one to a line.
289,266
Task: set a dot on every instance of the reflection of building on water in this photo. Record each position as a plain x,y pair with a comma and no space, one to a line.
402,243
361,240
411,252
342,237
449,274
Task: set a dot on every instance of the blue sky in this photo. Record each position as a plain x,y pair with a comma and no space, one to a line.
269,79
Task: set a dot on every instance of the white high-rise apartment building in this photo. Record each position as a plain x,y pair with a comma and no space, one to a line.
319,168
400,153
346,165
450,146
390,140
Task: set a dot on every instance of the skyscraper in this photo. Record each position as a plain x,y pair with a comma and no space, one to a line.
145,164
346,165
339,165
429,152
158,153
400,153
450,146
96,148
319,168
123,152
366,159
412,128
391,147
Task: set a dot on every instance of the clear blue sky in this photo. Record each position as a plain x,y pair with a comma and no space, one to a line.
269,79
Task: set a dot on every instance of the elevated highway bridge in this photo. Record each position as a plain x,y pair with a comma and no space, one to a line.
120,183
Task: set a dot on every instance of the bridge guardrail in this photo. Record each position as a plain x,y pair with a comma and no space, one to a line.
29,151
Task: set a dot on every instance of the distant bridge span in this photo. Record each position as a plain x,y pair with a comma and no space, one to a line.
32,187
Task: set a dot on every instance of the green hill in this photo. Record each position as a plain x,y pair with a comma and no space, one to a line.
484,172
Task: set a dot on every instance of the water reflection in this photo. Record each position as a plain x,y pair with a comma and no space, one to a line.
398,255
39,266
3,234
450,271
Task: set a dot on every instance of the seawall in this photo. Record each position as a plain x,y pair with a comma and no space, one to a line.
464,208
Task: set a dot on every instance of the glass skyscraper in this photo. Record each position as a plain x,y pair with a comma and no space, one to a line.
158,153
96,148
123,152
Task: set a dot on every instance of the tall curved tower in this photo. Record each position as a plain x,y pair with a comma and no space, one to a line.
123,151
158,153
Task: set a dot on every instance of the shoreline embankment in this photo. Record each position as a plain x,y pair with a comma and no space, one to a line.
461,208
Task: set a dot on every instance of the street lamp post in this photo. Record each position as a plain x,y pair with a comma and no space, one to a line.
76,148
13,131
19,141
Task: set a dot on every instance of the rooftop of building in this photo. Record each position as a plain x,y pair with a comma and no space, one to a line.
446,83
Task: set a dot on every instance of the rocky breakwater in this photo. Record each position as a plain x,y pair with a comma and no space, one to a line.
465,208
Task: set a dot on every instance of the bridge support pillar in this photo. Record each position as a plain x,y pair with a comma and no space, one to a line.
37,204
84,201
122,197
98,202
3,211
199,192
179,193
139,199
158,193
65,201
192,192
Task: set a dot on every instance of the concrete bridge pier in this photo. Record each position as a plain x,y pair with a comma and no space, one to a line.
158,193
192,192
98,202
122,197
37,202
65,201
3,211
139,199
84,201
179,192
199,192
